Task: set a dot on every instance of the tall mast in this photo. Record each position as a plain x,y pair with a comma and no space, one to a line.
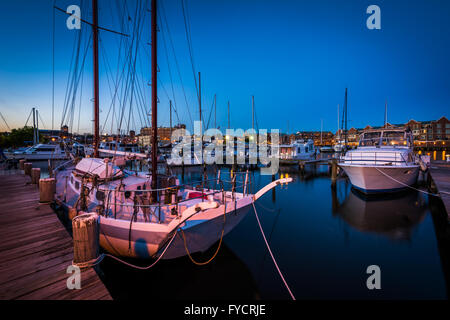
345,110
321,129
37,126
228,114
200,98
170,101
215,111
34,126
154,96
339,134
253,112
96,91
385,114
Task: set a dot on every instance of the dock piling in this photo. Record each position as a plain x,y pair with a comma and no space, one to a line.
47,188
21,164
35,175
85,239
334,168
27,166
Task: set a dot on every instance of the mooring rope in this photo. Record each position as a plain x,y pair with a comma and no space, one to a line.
218,247
103,255
270,251
404,184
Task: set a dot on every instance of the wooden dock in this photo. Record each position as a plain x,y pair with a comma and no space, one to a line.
36,249
440,176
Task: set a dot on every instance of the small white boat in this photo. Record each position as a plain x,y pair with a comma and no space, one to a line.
326,149
339,147
39,152
133,225
298,150
383,162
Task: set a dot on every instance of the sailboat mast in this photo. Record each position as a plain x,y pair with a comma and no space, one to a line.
34,126
228,114
253,112
215,110
154,96
200,98
385,114
96,90
345,109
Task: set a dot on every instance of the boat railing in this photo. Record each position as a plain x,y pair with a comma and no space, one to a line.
376,158
168,197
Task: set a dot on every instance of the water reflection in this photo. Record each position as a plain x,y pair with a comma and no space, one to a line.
393,216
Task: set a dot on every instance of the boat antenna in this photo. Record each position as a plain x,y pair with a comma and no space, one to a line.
154,68
96,90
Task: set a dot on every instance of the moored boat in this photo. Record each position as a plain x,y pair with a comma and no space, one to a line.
383,162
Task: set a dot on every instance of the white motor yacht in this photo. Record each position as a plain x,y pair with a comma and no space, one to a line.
39,152
383,162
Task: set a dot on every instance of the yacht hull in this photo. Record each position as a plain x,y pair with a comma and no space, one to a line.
370,179
146,240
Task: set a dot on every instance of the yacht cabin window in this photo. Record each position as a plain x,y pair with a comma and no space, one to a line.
370,139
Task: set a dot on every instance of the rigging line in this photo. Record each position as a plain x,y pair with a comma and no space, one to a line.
78,80
139,33
87,22
79,108
176,62
5,121
190,51
42,121
29,115
66,95
125,86
168,64
210,113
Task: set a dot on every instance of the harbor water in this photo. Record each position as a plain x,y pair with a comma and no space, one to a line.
323,239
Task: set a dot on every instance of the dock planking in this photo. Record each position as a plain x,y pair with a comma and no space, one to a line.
440,173
36,249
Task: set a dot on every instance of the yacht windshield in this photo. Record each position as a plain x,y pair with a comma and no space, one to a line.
394,138
369,139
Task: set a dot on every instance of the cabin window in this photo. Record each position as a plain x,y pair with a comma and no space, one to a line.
77,185
71,179
370,139
127,194
306,149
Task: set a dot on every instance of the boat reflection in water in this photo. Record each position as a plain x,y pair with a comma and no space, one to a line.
393,216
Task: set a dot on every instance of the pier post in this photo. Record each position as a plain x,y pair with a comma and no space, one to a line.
85,239
47,188
301,166
333,173
27,168
35,175
21,164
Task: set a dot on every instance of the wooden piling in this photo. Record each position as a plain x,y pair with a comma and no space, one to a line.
85,239
47,189
27,166
21,164
333,172
35,175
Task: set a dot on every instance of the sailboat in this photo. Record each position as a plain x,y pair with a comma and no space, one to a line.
139,213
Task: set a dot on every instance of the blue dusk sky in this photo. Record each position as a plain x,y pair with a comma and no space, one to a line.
295,57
